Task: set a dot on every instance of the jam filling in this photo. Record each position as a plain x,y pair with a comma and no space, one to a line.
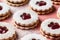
3,30
33,39
54,25
41,3
25,16
0,7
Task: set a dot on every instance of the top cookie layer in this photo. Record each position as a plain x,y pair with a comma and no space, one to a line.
4,8
33,37
35,4
9,33
31,17
51,26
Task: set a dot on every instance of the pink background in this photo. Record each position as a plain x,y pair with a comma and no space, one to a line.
36,30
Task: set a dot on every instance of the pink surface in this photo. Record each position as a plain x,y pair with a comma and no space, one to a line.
42,18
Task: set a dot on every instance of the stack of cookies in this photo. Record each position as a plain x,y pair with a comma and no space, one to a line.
28,19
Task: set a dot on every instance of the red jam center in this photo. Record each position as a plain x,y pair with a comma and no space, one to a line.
3,30
33,39
41,3
54,25
0,7
25,16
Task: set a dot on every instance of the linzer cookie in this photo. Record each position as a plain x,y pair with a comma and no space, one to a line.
4,11
33,37
26,19
50,28
56,2
7,31
17,3
42,6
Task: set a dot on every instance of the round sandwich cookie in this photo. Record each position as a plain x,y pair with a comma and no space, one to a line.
26,19
33,37
7,31
57,2
50,28
16,3
4,11
42,6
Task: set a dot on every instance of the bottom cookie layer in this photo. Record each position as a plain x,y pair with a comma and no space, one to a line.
29,27
50,10
17,5
58,15
8,14
49,36
57,3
